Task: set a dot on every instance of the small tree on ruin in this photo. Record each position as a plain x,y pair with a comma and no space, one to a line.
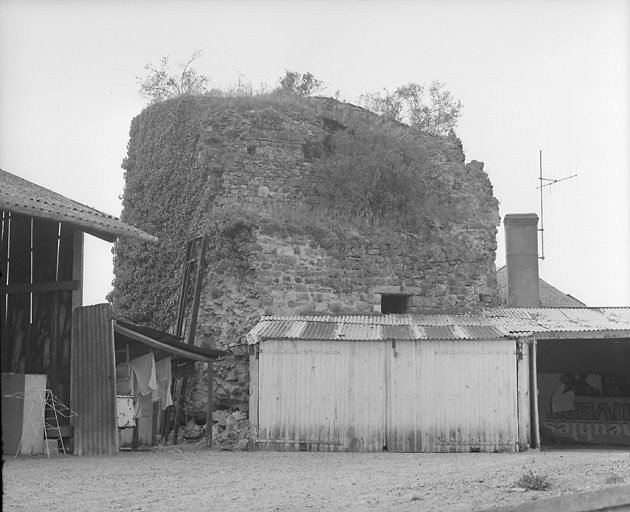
304,84
159,85
431,109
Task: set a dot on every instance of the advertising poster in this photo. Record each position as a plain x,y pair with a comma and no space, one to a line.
584,408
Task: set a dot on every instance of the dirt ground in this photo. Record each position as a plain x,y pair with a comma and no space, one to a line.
195,478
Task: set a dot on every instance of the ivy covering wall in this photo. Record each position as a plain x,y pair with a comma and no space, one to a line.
164,195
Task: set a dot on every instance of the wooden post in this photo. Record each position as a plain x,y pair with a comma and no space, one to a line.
253,397
523,393
209,405
77,268
534,394
179,406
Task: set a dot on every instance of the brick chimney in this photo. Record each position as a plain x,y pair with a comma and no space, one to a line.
521,252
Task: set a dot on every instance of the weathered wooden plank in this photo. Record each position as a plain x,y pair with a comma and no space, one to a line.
77,268
42,332
60,353
45,236
66,253
40,287
4,256
19,306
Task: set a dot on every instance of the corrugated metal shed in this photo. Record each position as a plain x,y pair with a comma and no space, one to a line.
492,323
372,387
93,371
18,195
409,383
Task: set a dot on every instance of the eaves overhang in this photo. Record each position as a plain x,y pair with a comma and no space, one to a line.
165,342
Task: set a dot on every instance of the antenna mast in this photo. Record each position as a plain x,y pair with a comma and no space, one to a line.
542,221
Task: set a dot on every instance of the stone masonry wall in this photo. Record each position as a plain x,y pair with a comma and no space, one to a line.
259,157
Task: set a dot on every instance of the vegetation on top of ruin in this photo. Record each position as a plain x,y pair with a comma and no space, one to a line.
377,176
158,85
304,84
429,108
366,180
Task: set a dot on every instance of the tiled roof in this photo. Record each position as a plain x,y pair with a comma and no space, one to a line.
550,297
491,323
20,196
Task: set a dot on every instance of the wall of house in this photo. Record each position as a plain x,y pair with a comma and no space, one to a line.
257,157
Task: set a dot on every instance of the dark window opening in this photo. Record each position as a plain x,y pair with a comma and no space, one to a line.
394,303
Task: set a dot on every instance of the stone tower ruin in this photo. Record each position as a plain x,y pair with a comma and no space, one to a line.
240,171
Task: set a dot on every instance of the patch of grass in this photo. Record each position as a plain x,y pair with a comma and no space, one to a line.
246,99
534,482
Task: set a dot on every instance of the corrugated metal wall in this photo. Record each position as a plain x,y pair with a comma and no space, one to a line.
321,396
453,396
93,381
413,396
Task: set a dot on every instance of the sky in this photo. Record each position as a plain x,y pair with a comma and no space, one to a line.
534,76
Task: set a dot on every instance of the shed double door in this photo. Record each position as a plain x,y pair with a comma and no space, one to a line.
453,396
410,396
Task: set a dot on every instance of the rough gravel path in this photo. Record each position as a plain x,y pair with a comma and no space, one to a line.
191,478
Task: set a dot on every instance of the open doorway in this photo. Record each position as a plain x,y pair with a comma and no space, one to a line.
583,392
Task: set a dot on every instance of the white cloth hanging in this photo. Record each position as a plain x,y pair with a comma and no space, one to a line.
144,381
163,370
143,369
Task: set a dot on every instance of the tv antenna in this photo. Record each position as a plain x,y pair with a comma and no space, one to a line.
545,182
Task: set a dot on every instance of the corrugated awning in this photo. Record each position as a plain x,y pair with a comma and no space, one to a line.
162,342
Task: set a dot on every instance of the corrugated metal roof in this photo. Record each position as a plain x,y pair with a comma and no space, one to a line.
560,320
164,342
617,314
23,197
491,323
317,331
398,332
